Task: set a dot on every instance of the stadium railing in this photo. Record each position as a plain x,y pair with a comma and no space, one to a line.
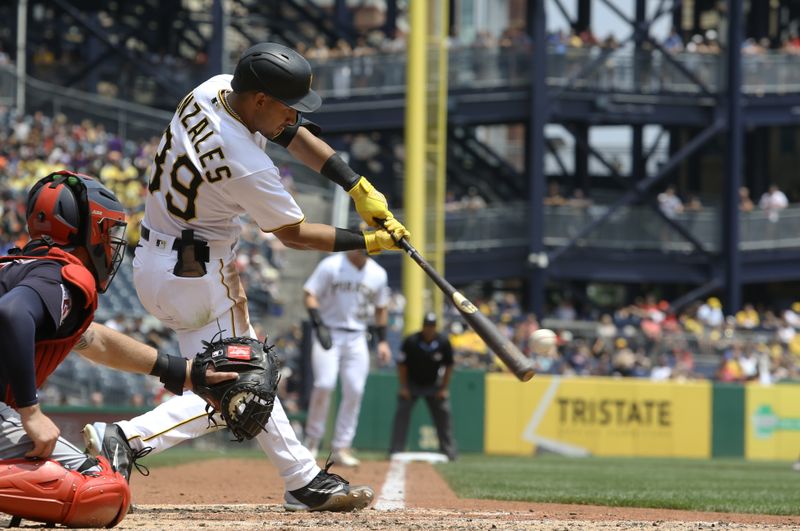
637,227
128,120
620,71
593,70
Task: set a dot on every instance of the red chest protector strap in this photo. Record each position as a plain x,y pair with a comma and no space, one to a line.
51,352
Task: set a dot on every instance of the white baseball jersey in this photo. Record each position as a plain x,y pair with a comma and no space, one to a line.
210,168
347,295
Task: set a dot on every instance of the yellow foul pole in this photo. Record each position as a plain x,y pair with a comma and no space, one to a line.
437,141
414,190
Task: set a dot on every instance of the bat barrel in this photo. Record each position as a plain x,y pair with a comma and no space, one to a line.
516,361
526,374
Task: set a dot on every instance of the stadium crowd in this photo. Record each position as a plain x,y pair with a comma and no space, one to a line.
646,339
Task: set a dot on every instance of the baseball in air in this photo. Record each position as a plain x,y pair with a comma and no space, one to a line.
543,341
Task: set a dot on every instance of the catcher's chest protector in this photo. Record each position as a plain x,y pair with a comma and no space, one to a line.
45,491
51,352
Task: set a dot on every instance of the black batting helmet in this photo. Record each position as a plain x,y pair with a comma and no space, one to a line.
72,210
279,72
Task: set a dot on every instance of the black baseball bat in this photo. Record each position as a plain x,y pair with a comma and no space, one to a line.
516,361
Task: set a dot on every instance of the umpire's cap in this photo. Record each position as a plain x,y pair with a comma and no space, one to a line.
429,319
278,71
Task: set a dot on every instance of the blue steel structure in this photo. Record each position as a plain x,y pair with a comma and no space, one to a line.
538,258
697,117
714,115
733,162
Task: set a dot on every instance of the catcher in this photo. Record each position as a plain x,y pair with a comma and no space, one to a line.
48,296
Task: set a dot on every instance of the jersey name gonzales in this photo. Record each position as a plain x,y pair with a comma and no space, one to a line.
209,169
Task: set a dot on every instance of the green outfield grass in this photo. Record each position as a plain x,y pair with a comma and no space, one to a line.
725,485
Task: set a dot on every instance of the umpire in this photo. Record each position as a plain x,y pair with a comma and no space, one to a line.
424,369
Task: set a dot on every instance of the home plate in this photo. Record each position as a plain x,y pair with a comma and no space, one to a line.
427,457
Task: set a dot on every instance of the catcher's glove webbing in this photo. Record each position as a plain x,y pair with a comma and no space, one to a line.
246,403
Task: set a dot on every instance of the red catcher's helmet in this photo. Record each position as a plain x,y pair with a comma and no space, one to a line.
72,210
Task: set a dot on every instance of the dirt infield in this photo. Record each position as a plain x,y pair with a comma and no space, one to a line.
246,494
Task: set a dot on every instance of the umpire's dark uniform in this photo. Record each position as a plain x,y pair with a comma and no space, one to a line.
419,368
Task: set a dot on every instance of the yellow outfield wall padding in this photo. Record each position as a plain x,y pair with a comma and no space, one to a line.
597,416
772,422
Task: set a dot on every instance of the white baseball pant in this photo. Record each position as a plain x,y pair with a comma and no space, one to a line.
197,309
348,356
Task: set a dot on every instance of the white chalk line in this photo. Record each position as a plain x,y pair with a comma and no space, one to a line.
393,492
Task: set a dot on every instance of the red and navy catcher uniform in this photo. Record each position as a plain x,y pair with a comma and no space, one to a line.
48,296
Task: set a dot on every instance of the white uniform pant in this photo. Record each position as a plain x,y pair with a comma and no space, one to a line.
348,357
196,309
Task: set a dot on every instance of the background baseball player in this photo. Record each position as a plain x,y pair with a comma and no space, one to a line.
340,295
210,167
48,296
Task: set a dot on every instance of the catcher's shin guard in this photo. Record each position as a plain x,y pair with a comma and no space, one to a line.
45,491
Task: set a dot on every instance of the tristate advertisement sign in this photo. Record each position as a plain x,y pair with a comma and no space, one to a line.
597,416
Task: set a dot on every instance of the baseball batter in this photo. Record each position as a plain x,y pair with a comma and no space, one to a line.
210,168
339,296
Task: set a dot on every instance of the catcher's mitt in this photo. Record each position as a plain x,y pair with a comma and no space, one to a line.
246,403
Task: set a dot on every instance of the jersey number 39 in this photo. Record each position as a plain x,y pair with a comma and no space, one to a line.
188,191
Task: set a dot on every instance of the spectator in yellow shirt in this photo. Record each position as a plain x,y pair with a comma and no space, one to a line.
116,170
747,317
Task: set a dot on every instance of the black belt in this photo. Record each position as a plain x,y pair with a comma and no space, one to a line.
193,254
176,244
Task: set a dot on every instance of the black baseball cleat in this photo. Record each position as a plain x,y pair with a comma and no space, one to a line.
109,440
328,492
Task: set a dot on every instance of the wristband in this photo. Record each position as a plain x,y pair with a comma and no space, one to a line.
171,371
161,364
348,240
337,170
313,313
380,331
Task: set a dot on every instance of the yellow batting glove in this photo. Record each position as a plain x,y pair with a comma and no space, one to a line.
370,203
379,240
396,229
